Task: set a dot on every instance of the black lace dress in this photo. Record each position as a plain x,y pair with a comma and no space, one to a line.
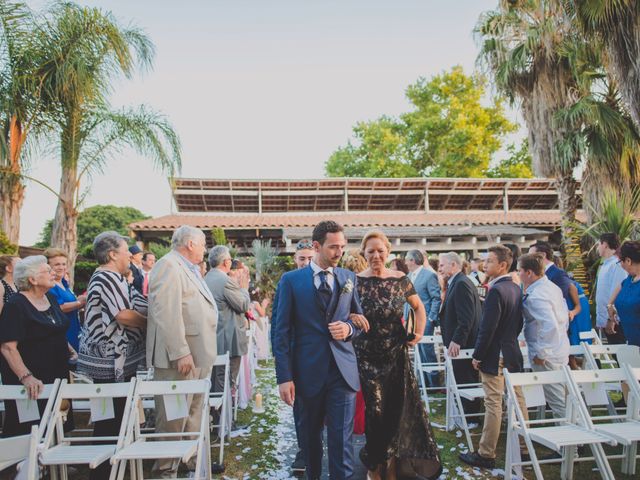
397,424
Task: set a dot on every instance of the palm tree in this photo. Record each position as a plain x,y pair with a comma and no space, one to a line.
21,111
616,24
523,47
87,49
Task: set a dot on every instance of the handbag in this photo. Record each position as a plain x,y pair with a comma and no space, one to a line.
410,324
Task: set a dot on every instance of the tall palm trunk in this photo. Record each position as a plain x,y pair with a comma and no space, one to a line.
541,100
64,233
11,186
623,53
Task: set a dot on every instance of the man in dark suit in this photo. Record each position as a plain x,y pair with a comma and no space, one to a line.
314,355
496,347
136,267
459,320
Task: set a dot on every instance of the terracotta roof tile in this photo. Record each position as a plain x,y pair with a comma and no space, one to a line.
368,219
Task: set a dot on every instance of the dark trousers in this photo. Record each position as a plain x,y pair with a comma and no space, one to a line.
217,374
616,338
337,403
465,373
107,428
297,414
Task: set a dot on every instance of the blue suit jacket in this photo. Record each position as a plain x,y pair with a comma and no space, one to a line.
428,289
302,343
561,279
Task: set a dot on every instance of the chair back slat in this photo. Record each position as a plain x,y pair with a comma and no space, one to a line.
77,391
221,360
171,387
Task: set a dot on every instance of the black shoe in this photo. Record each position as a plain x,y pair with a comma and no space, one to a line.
476,460
217,468
298,467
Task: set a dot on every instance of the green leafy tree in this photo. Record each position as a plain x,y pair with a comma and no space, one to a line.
218,236
516,165
378,150
95,220
86,49
6,247
449,132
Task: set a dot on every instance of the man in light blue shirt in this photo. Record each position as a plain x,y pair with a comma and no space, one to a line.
610,276
546,318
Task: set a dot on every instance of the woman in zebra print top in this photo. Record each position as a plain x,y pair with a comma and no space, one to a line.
112,342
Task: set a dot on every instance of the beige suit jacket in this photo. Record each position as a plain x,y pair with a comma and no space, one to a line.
182,318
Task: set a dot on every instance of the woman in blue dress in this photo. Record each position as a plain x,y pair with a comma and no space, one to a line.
69,303
582,321
624,305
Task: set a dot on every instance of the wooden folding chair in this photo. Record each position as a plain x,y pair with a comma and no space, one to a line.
60,450
221,401
562,435
139,445
456,392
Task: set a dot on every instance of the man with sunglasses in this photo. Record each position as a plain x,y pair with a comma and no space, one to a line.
302,258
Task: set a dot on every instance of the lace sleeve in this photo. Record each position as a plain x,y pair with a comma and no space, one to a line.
407,287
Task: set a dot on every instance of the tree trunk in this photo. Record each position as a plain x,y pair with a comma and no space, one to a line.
64,233
567,203
623,53
11,186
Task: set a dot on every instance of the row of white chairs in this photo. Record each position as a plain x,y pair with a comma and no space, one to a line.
578,427
56,449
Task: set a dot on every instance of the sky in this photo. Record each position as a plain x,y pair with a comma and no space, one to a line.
263,89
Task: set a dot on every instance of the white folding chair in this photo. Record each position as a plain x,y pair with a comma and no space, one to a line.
60,450
562,435
422,368
590,335
221,402
139,445
623,428
456,392
19,393
23,451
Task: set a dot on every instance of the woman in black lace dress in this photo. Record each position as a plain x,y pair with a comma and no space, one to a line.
400,441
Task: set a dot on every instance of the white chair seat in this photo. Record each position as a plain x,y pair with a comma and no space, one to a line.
623,432
92,455
471,393
566,435
141,449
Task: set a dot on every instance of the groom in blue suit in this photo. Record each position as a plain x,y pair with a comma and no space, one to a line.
315,359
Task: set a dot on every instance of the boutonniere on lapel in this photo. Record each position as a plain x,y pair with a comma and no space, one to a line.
347,288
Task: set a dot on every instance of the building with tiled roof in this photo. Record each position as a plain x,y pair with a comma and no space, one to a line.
434,214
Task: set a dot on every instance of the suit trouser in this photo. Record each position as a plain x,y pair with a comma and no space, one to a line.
465,373
554,393
168,468
428,354
493,386
297,418
337,403
217,375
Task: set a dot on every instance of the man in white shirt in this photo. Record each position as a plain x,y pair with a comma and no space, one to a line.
546,318
610,276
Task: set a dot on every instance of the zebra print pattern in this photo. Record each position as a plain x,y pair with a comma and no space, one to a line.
109,351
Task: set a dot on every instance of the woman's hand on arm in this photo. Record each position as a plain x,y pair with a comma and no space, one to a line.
421,317
14,359
359,321
131,318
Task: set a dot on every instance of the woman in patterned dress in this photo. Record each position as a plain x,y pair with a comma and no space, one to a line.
112,341
400,441
7,285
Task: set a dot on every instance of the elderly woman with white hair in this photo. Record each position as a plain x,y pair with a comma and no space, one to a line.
33,338
112,342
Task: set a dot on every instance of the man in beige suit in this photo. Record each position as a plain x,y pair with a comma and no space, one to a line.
181,328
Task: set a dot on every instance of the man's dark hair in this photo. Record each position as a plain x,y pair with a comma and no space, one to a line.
533,262
545,248
326,226
503,254
146,254
611,239
515,252
630,250
416,255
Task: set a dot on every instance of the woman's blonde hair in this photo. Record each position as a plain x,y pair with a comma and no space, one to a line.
53,252
354,261
375,234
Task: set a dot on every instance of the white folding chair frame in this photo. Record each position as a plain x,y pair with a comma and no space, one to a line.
220,400
574,417
421,368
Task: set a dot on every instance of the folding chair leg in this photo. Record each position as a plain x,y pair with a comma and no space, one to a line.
632,452
534,458
602,462
64,475
568,456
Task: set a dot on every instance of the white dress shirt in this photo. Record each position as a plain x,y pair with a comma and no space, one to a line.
546,319
610,276
413,275
316,275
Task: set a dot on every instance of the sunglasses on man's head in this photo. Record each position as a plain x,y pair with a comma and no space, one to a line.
304,246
